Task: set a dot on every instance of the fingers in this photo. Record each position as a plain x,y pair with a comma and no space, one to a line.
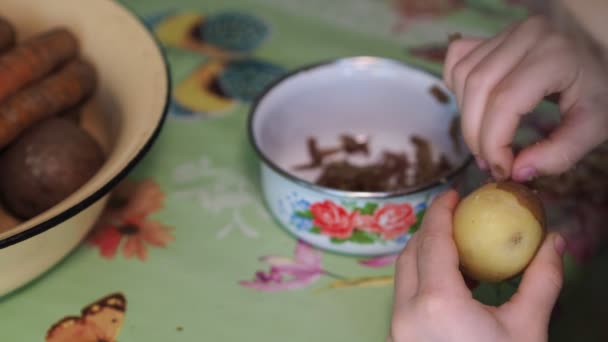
462,57
489,71
569,143
540,285
457,50
516,95
462,69
437,257
496,81
406,274
583,126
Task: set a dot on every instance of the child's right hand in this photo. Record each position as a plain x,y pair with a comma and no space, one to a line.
498,80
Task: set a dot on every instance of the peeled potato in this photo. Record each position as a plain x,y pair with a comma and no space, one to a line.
497,230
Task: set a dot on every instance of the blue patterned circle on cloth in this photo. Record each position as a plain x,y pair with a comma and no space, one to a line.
245,80
234,31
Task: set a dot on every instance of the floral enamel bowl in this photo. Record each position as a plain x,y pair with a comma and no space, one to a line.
125,117
385,100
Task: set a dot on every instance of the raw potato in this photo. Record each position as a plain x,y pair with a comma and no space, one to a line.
497,230
45,165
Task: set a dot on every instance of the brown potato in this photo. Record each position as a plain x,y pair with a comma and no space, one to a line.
45,165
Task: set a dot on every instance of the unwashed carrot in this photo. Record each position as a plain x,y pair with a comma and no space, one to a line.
7,35
34,59
60,91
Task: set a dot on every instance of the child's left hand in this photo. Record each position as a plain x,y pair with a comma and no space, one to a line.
432,302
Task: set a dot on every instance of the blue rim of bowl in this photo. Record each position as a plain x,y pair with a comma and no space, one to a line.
380,195
109,185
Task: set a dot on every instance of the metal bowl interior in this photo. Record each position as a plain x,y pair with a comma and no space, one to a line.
384,99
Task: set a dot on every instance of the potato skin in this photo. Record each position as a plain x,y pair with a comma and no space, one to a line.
497,230
45,165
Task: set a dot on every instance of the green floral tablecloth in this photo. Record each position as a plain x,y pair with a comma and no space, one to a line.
187,242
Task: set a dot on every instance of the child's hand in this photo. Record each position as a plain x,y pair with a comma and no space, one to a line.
498,80
432,302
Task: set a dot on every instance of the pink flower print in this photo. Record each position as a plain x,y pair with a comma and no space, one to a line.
394,220
332,219
364,222
381,261
288,273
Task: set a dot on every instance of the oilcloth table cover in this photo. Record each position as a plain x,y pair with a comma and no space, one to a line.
186,250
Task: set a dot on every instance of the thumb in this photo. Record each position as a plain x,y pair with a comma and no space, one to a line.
577,134
541,284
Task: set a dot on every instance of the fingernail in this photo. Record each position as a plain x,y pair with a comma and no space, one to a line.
481,164
454,36
525,174
442,194
498,172
560,244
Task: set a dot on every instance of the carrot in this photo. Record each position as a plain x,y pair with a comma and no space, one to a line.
60,91
7,35
34,59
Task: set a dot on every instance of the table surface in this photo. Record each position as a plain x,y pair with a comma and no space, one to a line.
190,245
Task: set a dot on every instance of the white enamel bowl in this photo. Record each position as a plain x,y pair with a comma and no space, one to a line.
132,100
384,99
